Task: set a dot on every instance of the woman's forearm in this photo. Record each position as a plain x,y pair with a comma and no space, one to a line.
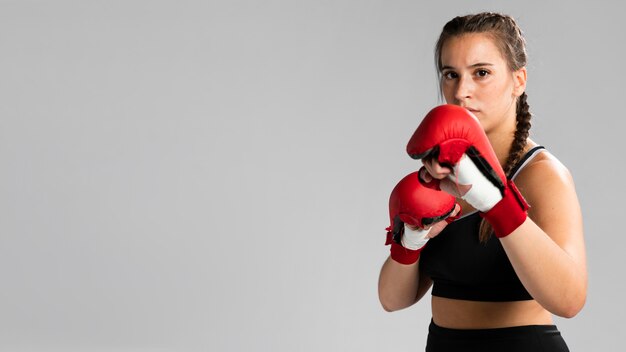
398,285
547,271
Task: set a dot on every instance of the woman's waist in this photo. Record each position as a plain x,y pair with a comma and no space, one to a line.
462,314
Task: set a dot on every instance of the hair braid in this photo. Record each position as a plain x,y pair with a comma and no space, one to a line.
515,154
521,134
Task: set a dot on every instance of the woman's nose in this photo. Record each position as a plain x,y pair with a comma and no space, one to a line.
464,89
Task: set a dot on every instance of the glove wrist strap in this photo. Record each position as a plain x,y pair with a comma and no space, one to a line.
400,254
404,255
509,213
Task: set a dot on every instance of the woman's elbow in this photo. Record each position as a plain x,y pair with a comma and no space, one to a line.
389,306
572,308
392,303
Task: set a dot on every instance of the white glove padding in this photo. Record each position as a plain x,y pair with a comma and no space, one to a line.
414,239
482,193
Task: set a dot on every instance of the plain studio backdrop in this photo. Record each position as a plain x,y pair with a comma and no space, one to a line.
214,176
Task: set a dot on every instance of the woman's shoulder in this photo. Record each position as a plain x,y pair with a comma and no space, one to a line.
545,180
543,167
548,188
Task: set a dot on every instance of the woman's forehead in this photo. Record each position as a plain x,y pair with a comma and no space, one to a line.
469,50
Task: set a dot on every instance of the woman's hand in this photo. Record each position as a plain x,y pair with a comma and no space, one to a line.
437,227
433,170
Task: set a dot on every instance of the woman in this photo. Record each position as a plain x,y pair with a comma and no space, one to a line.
494,293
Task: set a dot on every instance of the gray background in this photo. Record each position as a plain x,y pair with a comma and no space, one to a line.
214,176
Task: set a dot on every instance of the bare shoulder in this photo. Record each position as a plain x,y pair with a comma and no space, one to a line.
548,187
544,175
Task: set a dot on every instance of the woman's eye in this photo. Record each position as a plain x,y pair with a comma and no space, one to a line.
482,73
450,75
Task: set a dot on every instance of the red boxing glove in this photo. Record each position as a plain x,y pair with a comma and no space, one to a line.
411,203
455,137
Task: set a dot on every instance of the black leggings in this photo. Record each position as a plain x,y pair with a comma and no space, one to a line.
535,338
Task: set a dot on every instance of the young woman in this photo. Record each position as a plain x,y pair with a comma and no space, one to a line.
496,293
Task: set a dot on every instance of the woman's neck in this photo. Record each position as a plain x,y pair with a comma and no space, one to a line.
502,138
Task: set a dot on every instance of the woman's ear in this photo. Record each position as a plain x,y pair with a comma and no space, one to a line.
519,81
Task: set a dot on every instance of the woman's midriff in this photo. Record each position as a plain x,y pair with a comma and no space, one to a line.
460,314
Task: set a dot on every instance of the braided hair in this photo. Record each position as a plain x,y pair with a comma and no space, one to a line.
509,39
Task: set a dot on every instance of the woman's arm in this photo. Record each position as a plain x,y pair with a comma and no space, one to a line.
400,286
547,251
412,207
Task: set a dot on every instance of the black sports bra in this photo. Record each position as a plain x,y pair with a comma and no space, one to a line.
462,267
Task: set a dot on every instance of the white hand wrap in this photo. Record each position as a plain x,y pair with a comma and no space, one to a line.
482,195
414,239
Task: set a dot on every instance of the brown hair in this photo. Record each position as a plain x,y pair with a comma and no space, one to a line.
508,37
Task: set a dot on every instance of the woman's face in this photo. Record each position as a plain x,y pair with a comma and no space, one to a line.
476,76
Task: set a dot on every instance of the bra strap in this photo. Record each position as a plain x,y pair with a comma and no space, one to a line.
526,158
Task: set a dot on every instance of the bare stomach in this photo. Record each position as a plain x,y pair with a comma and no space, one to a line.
459,314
